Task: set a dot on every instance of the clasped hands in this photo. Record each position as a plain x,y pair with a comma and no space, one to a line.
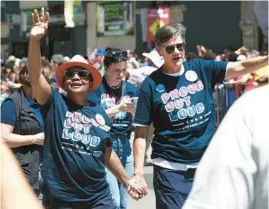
137,187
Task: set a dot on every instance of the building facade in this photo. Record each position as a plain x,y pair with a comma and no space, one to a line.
217,25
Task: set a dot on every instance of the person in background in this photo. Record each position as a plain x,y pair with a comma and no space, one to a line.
9,72
233,173
154,61
115,96
66,59
47,67
178,99
261,76
77,144
22,129
99,58
5,92
23,62
132,62
56,61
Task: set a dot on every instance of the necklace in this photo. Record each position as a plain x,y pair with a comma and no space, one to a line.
113,87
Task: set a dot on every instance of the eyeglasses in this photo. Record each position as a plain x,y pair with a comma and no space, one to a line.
81,74
115,55
171,49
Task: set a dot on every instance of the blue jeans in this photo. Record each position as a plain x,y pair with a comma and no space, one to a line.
123,150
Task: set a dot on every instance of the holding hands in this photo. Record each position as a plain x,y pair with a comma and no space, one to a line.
40,24
137,187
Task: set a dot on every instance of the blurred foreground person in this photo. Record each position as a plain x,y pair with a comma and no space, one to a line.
16,192
233,173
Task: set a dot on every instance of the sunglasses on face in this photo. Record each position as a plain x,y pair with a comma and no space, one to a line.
171,49
81,74
115,55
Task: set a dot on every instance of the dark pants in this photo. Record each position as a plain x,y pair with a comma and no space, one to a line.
105,203
171,187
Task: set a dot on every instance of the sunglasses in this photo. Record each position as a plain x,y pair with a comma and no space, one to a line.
171,49
81,74
115,55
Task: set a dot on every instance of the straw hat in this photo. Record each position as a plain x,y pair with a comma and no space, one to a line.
78,61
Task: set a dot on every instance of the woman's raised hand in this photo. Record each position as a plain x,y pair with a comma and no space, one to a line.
40,24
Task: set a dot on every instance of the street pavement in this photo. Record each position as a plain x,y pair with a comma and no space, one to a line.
147,202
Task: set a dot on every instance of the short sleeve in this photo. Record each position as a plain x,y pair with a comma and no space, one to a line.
216,70
144,107
8,114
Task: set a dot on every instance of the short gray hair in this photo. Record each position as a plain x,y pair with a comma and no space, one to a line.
168,31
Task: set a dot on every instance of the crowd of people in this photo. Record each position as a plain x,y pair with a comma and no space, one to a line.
70,121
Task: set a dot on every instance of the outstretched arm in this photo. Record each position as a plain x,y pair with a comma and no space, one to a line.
246,66
40,86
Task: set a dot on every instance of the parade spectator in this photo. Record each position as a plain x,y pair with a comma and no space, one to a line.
233,173
99,58
261,76
5,92
56,61
178,99
9,72
115,96
154,61
22,129
77,144
23,62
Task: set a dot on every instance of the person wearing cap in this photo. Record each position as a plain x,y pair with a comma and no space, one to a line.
23,62
99,58
118,98
77,144
178,99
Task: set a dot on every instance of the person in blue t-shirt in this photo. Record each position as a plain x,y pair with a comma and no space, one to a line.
22,129
178,99
77,144
118,97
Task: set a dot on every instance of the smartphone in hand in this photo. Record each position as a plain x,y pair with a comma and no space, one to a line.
134,100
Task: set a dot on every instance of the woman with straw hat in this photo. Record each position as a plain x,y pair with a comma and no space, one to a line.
77,142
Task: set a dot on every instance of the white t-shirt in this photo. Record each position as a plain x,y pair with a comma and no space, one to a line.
233,173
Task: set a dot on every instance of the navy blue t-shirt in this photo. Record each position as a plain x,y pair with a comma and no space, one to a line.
75,140
8,114
182,109
107,97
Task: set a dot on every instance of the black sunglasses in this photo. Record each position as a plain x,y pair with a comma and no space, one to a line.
115,55
81,74
171,49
